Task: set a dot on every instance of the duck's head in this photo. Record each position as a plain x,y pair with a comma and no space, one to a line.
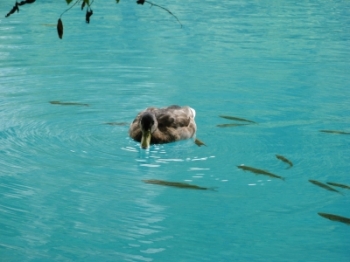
148,124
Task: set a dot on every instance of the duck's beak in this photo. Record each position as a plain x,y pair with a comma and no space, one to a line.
146,139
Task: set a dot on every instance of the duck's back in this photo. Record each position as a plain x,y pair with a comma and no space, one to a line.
174,117
174,123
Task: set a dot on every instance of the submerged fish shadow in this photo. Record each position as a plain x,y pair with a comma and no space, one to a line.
181,185
324,186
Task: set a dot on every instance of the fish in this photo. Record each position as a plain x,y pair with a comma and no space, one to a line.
117,123
231,125
285,160
317,183
335,132
259,171
176,184
338,185
67,103
237,119
199,143
335,218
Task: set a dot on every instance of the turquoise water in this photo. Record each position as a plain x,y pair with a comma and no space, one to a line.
71,185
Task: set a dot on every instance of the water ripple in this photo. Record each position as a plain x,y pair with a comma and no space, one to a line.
71,186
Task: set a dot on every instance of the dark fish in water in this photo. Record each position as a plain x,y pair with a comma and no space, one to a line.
231,125
199,143
237,119
338,185
335,132
117,123
67,103
285,160
317,183
259,171
335,218
175,184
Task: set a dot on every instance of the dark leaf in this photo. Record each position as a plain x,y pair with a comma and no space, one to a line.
88,15
60,28
14,9
69,1
26,2
140,2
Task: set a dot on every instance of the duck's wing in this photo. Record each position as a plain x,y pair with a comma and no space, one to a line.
174,117
175,123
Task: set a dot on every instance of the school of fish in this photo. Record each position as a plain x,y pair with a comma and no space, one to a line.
257,171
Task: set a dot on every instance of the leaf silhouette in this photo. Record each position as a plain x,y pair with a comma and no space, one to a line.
60,28
88,14
26,2
14,9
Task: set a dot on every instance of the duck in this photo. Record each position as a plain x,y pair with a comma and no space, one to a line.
163,125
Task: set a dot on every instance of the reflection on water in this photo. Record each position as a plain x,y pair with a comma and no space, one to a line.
71,182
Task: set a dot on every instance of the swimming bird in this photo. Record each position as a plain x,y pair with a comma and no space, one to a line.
163,125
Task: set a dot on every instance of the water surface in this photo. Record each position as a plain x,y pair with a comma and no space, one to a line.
71,185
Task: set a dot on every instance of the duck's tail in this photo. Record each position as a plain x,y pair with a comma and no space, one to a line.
193,112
